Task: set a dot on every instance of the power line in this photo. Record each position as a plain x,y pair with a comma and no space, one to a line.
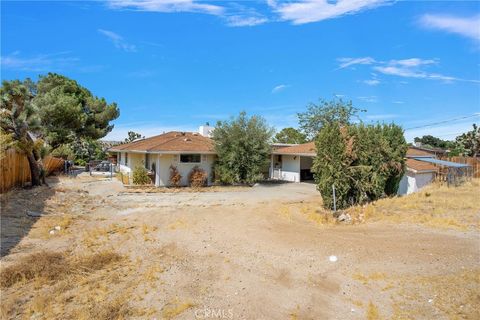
445,121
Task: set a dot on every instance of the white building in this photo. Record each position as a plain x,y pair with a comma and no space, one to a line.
184,150
292,163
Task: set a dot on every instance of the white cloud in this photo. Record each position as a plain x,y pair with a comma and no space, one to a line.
372,82
408,72
347,62
468,27
245,21
406,68
280,88
371,99
412,62
167,6
39,63
306,11
118,40
398,102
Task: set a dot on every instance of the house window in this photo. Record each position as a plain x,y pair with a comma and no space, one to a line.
126,158
147,161
190,158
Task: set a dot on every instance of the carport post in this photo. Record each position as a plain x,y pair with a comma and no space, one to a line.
334,199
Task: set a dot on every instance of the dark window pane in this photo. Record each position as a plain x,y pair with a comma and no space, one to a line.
190,158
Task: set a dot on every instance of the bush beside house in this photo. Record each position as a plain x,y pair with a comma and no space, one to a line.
140,176
243,148
197,177
364,162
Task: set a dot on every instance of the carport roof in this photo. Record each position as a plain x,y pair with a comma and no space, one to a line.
304,149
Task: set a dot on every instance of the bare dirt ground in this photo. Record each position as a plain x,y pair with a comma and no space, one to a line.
101,251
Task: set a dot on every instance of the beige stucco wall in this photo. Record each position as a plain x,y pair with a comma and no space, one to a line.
166,160
163,162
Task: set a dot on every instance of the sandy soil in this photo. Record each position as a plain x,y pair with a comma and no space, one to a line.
233,254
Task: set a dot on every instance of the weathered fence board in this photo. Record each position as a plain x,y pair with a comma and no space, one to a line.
15,170
474,162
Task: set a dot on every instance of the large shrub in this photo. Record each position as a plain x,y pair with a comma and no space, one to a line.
197,177
140,175
243,147
364,162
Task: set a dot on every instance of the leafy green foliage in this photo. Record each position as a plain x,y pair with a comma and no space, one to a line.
434,142
140,175
69,112
290,135
364,162
326,112
19,119
242,145
470,142
132,136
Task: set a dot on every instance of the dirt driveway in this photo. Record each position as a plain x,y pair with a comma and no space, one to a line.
254,253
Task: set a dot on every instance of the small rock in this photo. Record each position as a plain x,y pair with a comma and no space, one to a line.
52,231
57,228
333,258
344,217
33,213
430,300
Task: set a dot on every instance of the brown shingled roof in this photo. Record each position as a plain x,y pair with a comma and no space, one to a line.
414,152
170,142
418,165
301,149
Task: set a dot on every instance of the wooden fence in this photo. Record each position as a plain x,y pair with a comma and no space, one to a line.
474,162
15,170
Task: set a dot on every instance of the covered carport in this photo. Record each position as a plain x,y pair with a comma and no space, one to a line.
293,163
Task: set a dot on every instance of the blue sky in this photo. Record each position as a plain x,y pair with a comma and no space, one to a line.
176,64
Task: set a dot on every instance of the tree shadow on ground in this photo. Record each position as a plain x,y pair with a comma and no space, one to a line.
15,224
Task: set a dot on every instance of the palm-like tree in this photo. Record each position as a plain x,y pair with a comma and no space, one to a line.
19,120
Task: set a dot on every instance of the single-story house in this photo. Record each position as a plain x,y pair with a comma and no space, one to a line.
184,150
288,162
292,163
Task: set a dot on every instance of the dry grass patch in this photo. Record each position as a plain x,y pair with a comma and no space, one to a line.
372,312
59,223
52,266
175,308
436,205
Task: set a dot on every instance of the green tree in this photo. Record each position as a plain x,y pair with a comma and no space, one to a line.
290,135
470,142
434,142
19,121
69,112
243,146
132,136
364,162
326,112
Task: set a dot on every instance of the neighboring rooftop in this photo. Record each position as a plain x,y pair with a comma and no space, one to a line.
413,152
420,166
304,149
173,141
